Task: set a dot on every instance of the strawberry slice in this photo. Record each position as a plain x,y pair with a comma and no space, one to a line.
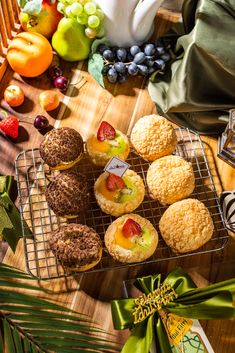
10,126
131,228
115,182
106,132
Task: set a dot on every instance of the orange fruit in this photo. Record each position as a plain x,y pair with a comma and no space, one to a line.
29,54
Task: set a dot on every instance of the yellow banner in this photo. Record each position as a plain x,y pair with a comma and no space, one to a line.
176,327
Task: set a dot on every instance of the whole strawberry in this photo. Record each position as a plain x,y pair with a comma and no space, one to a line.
10,126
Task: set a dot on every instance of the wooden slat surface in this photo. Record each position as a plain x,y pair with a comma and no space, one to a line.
7,18
9,26
16,10
121,105
9,6
3,28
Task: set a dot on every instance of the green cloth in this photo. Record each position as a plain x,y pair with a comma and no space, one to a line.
198,88
10,222
212,302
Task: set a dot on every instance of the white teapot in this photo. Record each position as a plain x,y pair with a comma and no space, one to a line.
128,22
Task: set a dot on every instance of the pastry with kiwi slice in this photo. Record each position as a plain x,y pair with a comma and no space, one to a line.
107,143
119,195
131,238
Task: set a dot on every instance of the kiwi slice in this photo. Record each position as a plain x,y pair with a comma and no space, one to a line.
117,146
143,241
129,193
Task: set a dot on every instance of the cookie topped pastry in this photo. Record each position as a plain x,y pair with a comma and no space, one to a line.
107,143
67,194
118,195
131,238
61,148
186,225
170,179
153,137
77,246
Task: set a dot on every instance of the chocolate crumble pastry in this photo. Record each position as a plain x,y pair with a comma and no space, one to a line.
76,246
62,148
67,194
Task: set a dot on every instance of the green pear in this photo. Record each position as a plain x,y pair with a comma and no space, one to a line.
70,41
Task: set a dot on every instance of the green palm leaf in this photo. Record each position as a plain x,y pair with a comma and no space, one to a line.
30,324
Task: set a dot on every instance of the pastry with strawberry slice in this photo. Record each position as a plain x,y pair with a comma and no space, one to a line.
119,195
131,238
107,143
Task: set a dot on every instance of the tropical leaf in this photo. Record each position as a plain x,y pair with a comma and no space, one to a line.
29,324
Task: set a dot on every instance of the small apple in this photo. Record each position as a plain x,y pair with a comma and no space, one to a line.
45,22
49,100
14,95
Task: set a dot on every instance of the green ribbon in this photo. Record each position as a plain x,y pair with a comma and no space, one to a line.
212,302
10,222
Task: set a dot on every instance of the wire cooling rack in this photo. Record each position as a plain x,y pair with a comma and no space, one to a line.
33,177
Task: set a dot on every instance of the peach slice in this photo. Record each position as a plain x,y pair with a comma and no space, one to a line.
109,195
101,146
122,241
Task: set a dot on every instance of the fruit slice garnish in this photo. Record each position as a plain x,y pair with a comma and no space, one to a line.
131,228
106,132
115,182
100,146
122,241
130,192
109,195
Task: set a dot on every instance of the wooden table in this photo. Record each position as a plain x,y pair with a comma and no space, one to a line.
85,105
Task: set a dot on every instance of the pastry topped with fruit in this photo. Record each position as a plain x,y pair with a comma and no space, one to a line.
106,144
131,238
118,195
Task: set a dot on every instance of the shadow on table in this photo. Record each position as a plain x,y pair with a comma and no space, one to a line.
62,110
127,88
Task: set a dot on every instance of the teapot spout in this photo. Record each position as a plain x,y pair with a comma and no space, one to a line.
143,17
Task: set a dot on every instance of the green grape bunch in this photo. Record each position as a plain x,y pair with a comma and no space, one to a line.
87,13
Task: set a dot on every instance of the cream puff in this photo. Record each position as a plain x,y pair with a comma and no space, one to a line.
131,238
119,195
153,137
170,179
186,225
77,246
67,194
61,148
106,144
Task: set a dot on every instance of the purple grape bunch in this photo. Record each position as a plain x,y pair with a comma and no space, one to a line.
120,63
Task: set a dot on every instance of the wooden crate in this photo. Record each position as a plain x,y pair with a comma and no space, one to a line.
9,26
